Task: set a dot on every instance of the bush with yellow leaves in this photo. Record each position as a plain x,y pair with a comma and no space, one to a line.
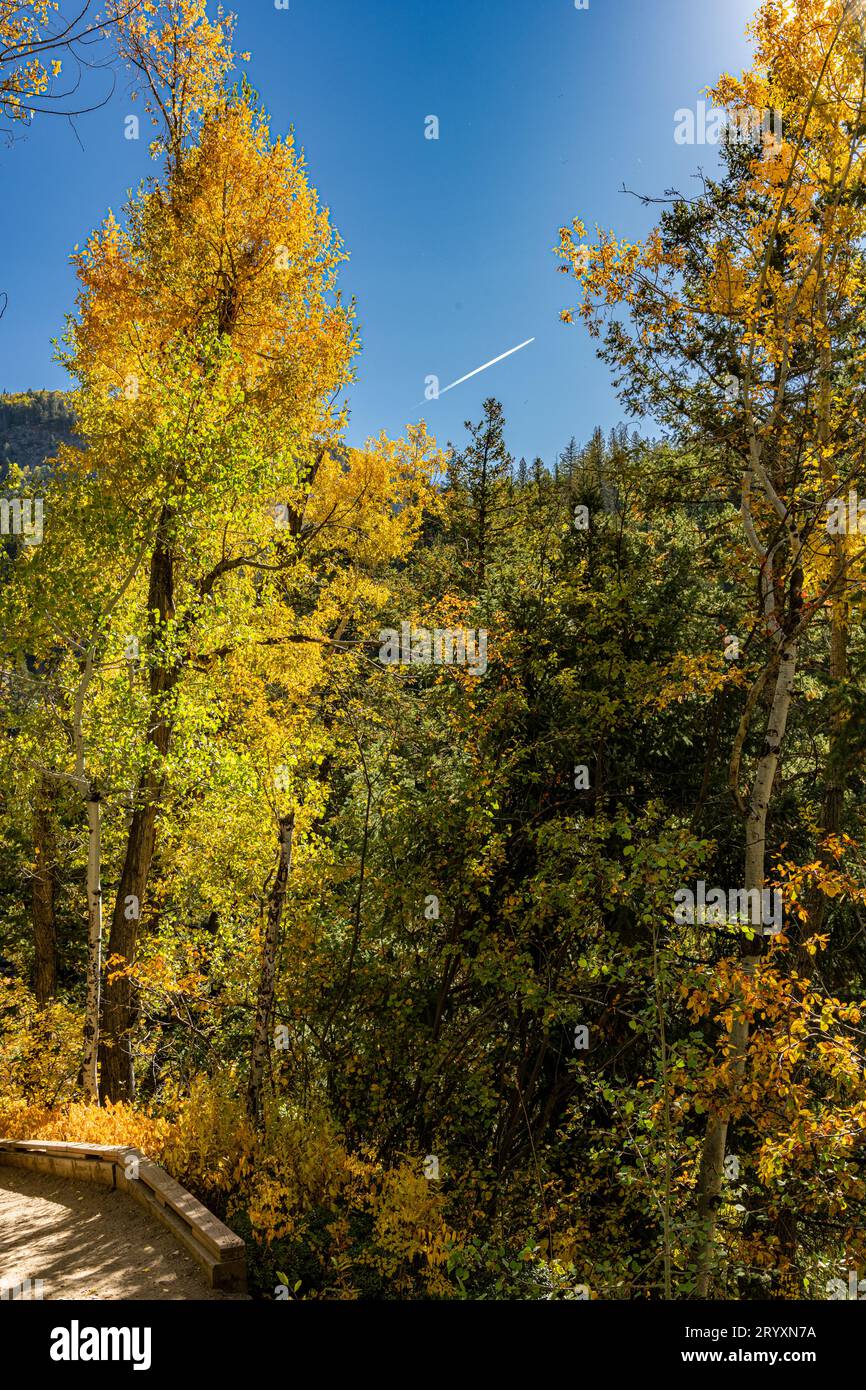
40,1051
82,1122
342,1224
335,1223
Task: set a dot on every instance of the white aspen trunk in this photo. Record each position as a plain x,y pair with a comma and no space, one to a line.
713,1153
94,948
268,970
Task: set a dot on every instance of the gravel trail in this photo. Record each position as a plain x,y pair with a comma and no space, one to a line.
87,1241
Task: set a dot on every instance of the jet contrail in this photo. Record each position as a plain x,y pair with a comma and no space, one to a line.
491,363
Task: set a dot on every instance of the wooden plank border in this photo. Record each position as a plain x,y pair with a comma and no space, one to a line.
220,1253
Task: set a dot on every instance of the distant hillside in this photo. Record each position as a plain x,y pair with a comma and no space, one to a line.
31,426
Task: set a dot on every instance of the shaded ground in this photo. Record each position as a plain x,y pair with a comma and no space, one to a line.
87,1241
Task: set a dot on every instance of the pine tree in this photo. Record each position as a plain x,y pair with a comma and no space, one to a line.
569,460
480,475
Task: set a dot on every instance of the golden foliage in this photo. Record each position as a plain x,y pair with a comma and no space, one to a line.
23,29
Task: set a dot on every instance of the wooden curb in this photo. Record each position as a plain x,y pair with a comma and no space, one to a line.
221,1253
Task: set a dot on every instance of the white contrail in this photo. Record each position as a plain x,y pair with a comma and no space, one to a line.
491,363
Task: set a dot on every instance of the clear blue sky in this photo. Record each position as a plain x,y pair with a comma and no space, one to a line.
545,111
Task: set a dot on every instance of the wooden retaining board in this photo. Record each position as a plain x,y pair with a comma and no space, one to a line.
219,1252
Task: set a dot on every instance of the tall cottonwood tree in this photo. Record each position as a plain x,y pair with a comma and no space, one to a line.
208,339
212,343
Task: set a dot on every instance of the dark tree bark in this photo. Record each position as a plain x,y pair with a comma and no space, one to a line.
119,1008
268,969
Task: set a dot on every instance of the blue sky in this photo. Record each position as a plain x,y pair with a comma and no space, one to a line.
544,111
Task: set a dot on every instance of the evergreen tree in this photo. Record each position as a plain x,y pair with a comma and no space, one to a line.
569,460
479,480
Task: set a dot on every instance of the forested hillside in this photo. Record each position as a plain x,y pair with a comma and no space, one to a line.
450,866
31,427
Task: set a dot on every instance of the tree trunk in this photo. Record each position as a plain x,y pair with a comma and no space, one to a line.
119,1006
713,1153
44,925
834,787
94,947
268,969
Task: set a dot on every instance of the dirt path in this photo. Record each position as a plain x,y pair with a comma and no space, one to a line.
87,1241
